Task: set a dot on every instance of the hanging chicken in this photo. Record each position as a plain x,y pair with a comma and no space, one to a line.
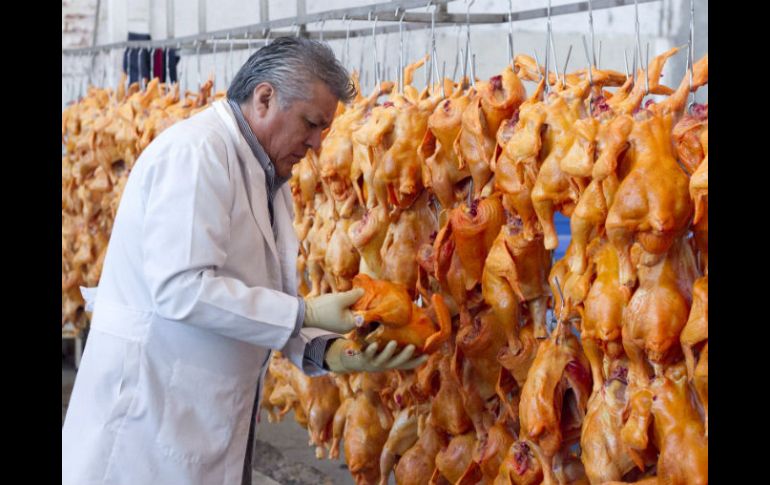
550,416
603,310
514,275
441,165
491,103
520,146
390,307
652,204
461,247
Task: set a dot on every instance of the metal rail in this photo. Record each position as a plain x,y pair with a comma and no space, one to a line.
385,12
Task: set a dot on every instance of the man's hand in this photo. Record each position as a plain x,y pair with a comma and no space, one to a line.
342,357
331,312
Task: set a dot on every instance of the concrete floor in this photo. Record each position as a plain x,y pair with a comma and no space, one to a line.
282,455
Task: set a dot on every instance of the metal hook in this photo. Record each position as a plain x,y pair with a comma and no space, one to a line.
229,65
468,39
400,51
213,41
152,63
599,59
361,67
375,64
198,55
638,38
178,77
537,61
434,55
168,70
547,58
510,31
384,67
128,68
443,76
591,29
561,295
553,53
458,51
564,73
431,46
625,61
473,70
590,73
647,72
691,52
346,46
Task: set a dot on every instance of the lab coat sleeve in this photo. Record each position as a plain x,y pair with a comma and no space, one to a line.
188,196
295,349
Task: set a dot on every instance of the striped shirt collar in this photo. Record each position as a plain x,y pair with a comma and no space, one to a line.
272,179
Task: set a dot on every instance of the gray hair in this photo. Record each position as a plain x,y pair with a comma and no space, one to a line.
290,65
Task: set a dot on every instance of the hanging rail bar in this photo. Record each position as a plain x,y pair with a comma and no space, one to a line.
384,12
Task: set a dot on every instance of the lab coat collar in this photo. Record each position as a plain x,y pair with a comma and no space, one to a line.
254,176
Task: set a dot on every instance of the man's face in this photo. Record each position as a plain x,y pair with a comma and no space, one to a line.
287,133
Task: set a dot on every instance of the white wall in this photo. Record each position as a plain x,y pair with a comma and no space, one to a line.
663,24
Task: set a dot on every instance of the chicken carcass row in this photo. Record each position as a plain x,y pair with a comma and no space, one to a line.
341,259
603,310
564,173
367,426
336,154
491,103
419,461
699,187
461,248
694,340
402,437
515,273
657,312
441,166
519,141
555,394
679,432
411,229
593,206
318,397
603,452
477,348
454,460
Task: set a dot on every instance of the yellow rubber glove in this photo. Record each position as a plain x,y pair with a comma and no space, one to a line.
342,357
332,311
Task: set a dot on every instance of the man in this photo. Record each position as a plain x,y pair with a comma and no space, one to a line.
199,283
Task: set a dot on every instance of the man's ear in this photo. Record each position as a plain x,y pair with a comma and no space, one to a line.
264,94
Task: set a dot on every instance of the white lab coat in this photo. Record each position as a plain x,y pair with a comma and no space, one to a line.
196,289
